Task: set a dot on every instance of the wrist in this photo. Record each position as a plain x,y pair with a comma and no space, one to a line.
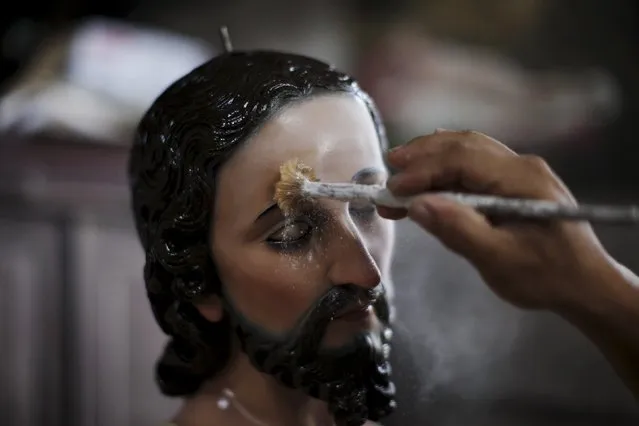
603,292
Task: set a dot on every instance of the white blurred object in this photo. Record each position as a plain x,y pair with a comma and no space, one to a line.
98,81
132,65
421,85
67,109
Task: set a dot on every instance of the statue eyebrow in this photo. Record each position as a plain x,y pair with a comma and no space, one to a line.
366,174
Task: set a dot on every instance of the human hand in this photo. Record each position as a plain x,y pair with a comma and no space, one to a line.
531,264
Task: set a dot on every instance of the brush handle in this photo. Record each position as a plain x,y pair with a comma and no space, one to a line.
487,204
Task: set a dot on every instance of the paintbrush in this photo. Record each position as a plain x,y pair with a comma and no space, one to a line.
298,183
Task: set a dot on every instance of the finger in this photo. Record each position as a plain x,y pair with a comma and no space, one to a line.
458,227
459,168
409,153
390,213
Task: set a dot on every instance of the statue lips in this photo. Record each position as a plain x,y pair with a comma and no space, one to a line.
355,313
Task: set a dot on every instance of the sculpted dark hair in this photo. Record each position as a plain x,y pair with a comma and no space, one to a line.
187,134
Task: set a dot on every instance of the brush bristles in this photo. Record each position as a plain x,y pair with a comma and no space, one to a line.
289,191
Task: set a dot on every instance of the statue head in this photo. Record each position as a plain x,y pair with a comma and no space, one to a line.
305,297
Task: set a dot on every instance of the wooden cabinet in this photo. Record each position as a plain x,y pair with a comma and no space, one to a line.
118,340
78,341
30,322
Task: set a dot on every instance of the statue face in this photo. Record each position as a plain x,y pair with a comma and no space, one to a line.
312,289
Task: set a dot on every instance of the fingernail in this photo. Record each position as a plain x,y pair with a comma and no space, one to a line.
440,130
391,184
396,148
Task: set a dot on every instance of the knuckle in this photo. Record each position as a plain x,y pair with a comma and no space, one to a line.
475,137
484,142
456,146
536,163
416,140
475,134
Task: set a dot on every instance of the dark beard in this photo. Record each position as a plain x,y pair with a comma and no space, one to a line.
353,380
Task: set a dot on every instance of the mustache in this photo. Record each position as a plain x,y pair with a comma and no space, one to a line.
311,329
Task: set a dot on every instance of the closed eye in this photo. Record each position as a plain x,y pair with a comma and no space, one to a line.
293,235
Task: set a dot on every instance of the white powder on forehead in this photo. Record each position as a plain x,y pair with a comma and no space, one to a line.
325,146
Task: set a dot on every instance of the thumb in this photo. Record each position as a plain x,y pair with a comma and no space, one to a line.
459,227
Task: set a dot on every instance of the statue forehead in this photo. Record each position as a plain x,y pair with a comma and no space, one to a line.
332,133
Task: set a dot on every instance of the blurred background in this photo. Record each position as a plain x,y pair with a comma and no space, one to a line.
77,340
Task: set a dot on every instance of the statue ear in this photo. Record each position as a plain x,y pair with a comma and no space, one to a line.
211,309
